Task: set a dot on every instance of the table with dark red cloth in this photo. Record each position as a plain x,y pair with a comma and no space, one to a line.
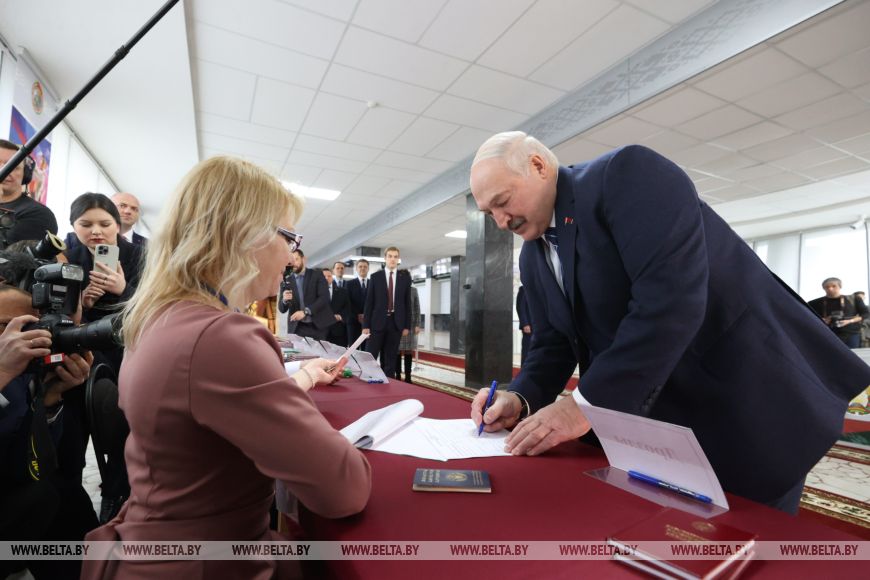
545,498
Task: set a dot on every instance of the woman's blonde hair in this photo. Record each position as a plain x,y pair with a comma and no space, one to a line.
223,210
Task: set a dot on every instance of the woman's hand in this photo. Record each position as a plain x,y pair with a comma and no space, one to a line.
107,281
91,294
318,371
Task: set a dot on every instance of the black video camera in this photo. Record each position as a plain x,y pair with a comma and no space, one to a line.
55,288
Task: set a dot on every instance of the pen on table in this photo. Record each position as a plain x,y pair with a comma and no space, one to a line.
486,406
669,486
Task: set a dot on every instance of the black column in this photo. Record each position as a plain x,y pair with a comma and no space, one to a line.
457,305
488,290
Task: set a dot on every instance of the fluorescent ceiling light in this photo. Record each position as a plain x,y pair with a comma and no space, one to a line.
312,192
457,234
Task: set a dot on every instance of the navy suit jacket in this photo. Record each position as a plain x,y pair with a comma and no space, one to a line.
357,296
340,304
525,318
375,314
672,316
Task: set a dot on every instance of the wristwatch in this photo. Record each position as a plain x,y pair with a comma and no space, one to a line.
307,311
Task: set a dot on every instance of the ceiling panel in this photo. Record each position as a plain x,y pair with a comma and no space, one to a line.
380,127
333,117
850,71
623,131
563,21
325,161
399,60
252,55
402,19
620,33
680,106
301,174
280,105
719,122
460,144
243,148
789,95
753,135
464,29
672,12
422,136
243,130
831,38
285,26
502,90
393,159
830,109
748,75
474,114
356,84
339,9
224,91
331,179
322,146
809,158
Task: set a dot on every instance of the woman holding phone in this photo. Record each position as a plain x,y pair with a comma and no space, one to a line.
97,225
111,267
214,417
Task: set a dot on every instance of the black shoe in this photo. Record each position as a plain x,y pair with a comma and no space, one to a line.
110,506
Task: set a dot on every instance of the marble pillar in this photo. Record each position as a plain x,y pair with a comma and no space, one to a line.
487,287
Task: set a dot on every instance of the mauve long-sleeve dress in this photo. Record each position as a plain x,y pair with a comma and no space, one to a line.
214,420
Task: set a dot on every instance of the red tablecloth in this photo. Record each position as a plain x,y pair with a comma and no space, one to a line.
533,499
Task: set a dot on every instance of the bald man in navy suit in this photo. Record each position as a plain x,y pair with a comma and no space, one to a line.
669,314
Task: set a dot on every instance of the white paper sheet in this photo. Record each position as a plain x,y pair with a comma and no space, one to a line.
662,450
409,434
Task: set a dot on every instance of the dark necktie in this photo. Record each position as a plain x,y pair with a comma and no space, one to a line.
552,238
390,294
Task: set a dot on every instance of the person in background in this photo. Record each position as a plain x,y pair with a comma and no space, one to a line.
387,314
865,323
129,208
214,417
525,323
95,220
408,343
304,296
356,291
338,274
21,217
41,504
843,314
340,306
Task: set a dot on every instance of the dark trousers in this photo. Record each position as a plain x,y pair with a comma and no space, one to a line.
409,363
43,511
851,340
789,502
309,330
385,343
354,329
337,334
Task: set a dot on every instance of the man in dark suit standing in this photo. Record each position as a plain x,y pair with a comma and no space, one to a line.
129,208
356,293
305,296
340,306
387,315
669,314
525,324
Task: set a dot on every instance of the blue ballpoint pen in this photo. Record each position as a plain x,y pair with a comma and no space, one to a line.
486,406
669,486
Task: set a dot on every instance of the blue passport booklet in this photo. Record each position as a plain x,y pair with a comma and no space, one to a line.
462,480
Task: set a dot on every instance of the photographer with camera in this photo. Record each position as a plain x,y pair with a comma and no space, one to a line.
843,314
36,504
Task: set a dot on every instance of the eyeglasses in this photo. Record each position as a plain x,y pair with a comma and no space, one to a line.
293,239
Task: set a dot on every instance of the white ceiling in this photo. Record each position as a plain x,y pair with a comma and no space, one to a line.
378,97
